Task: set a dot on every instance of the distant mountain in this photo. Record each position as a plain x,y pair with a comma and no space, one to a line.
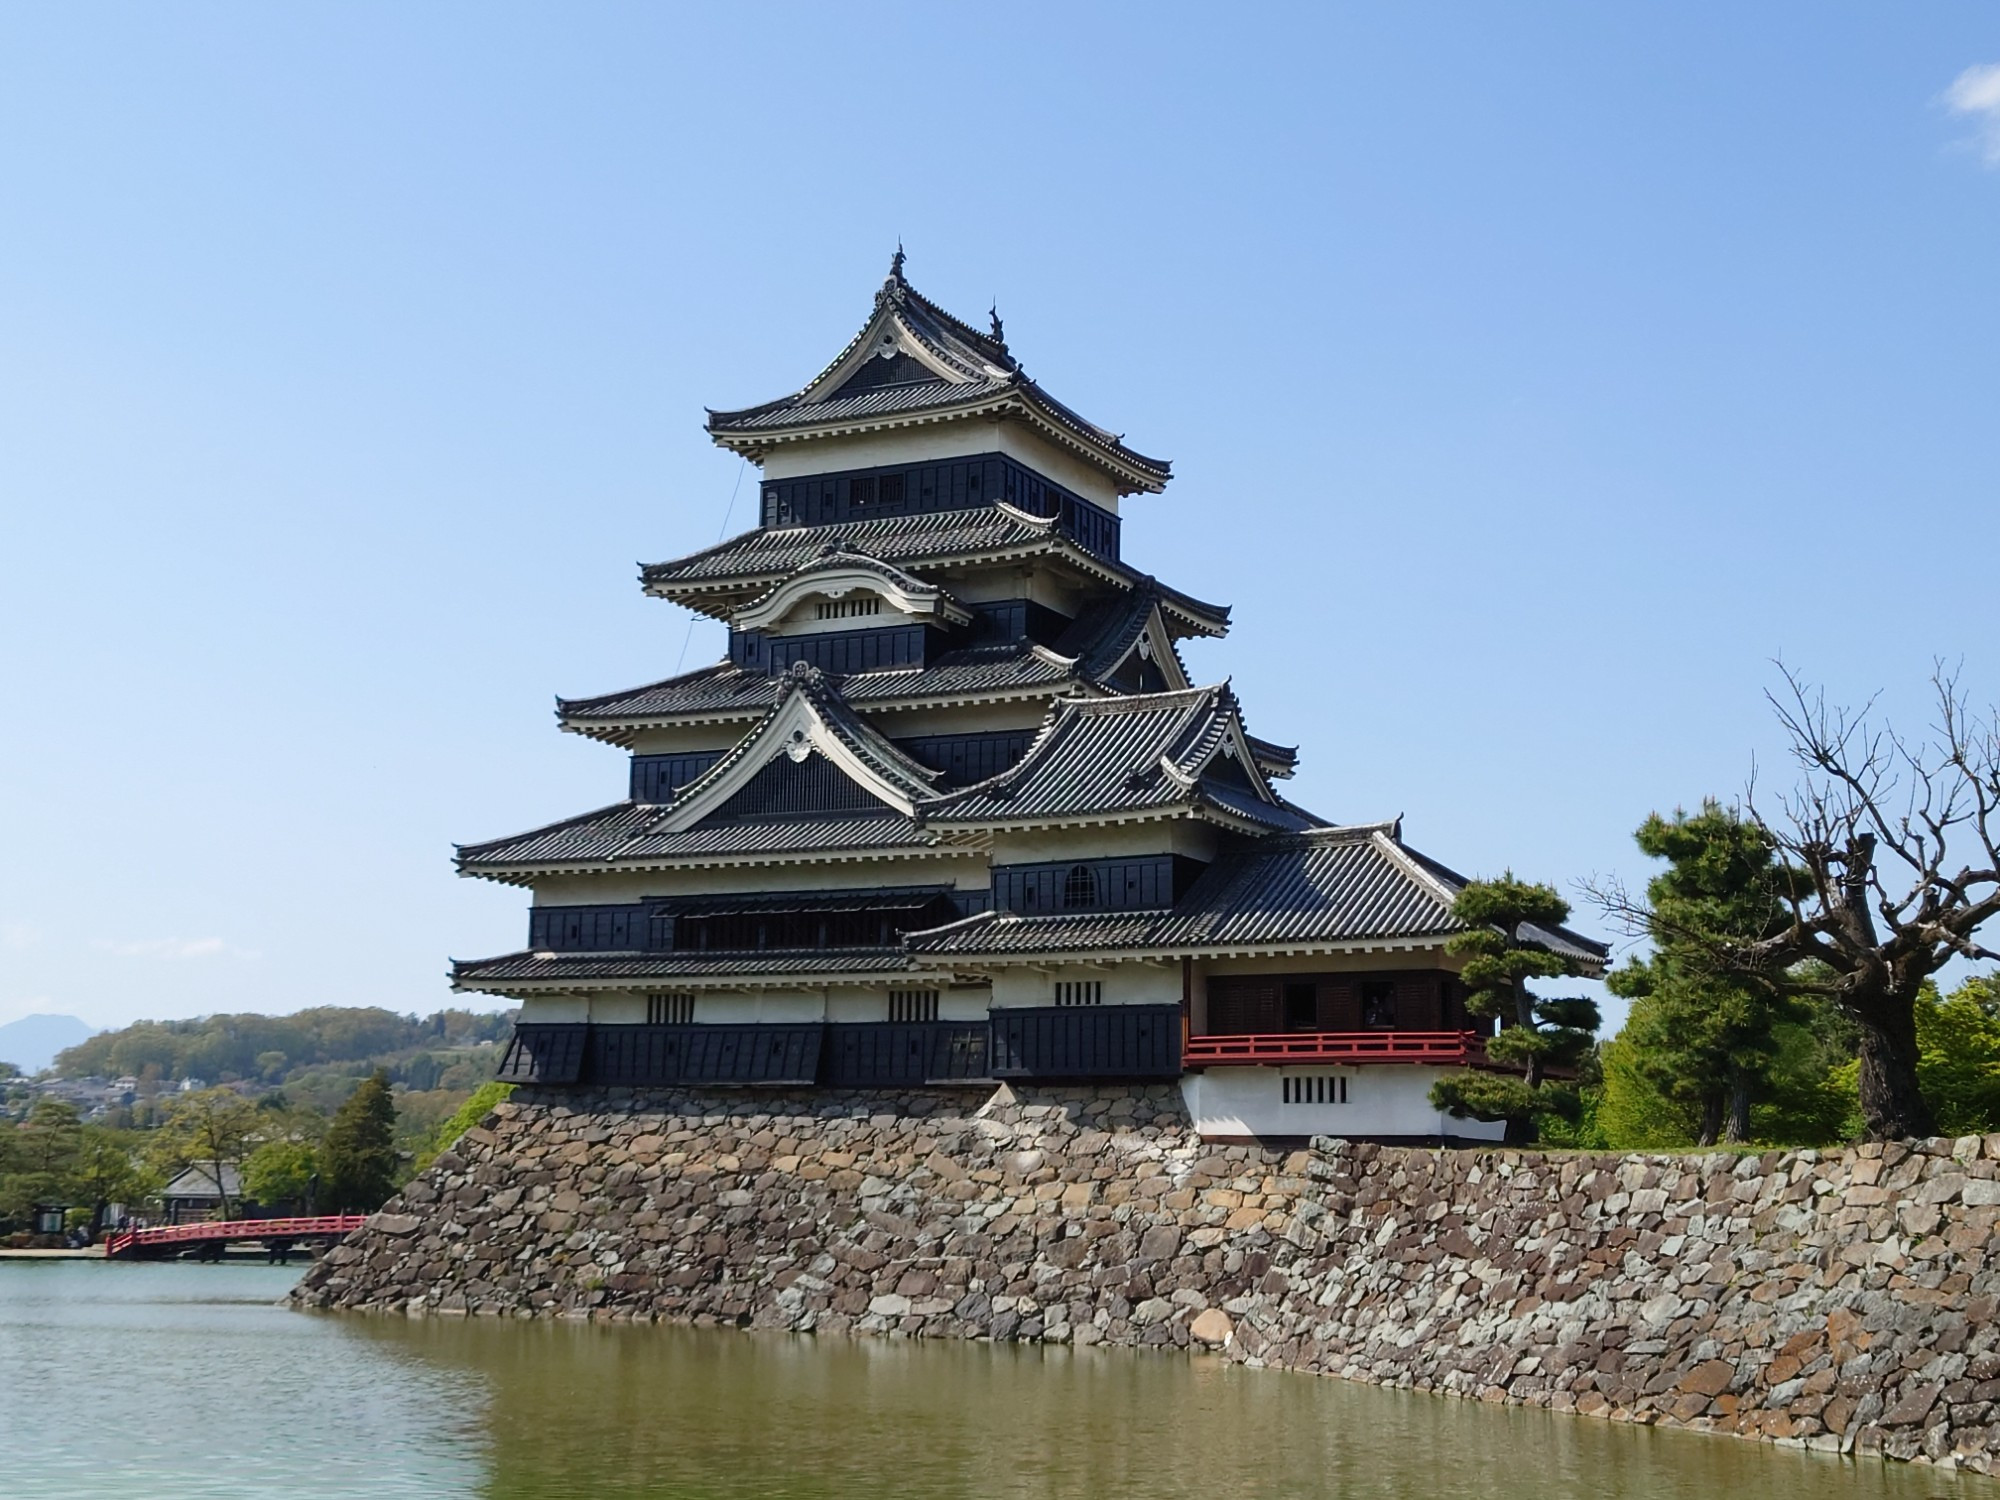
32,1042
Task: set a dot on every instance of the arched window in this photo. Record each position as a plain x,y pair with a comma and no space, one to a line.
1080,888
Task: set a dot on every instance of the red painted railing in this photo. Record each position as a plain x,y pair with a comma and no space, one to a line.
1439,1048
324,1226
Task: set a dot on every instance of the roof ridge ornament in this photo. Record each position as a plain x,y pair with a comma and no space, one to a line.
895,287
999,328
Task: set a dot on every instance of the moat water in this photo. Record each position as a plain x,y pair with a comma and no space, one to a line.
167,1381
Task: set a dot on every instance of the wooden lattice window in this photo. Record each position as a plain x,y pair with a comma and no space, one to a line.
670,1010
1079,992
913,1005
1079,888
847,609
1314,1089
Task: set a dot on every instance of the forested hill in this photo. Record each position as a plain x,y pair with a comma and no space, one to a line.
274,1049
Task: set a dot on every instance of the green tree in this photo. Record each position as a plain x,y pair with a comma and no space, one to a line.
280,1172
1705,1038
1891,852
37,1156
1510,925
1958,1055
358,1160
469,1114
210,1129
108,1170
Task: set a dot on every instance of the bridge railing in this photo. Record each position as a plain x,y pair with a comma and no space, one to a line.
130,1241
1446,1048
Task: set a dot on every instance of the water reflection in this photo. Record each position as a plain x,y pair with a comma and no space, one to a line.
612,1411
188,1381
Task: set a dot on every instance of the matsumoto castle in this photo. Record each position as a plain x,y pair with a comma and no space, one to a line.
951,812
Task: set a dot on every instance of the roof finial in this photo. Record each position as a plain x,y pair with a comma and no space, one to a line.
896,261
999,328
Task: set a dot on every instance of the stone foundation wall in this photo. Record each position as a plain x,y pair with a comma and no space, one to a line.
1843,1300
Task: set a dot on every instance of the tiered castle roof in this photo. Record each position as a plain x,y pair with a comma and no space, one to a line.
914,363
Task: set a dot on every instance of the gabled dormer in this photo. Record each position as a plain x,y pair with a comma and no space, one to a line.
810,755
847,590
845,612
1129,759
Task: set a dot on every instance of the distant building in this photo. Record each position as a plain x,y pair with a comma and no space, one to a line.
951,810
197,1193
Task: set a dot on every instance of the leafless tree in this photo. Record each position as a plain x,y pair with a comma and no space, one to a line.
1892,855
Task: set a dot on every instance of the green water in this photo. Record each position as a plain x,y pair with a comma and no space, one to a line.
165,1381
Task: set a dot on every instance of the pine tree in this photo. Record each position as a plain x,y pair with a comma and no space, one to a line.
1502,952
1704,1038
358,1160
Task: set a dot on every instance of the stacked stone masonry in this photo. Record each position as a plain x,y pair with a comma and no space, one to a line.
1840,1300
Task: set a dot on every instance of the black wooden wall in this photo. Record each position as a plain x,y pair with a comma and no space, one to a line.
966,758
957,484
837,652
1108,1042
655,778
1135,883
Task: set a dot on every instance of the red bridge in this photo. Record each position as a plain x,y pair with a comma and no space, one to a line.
171,1239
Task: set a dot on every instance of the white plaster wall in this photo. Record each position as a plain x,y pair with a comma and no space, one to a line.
618,1009
1189,836
555,1009
837,1003
1024,713
963,438
1127,983
770,1006
685,741
1381,1101
1056,585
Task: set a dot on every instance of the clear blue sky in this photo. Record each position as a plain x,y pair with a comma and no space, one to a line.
1533,376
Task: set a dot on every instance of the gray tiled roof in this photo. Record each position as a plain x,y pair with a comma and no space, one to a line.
1104,756
1092,646
727,690
840,559
517,967
1333,884
1328,886
982,370
1003,932
723,688
883,400
629,832
618,835
758,560
926,537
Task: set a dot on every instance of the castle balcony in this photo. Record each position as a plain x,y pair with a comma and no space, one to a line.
1449,1049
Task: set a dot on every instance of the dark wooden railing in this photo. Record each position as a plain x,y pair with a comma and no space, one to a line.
1438,1048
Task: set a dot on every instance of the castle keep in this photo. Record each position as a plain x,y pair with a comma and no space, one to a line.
950,812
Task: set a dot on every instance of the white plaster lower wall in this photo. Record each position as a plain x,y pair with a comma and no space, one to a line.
1016,846
555,1010
721,1007
1124,984
1384,1100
